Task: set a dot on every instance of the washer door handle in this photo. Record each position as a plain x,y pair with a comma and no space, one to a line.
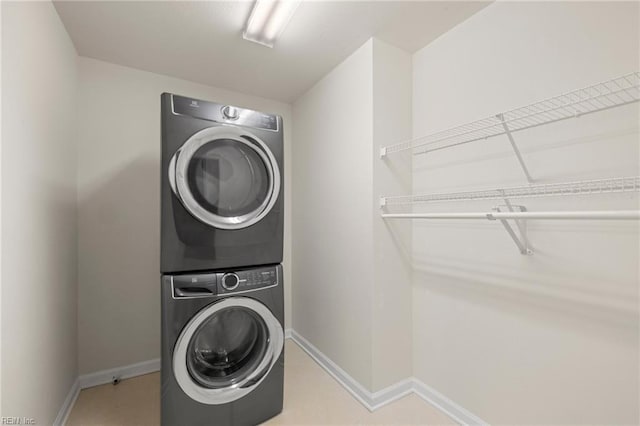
255,379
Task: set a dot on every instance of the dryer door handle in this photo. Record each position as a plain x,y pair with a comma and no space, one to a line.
172,173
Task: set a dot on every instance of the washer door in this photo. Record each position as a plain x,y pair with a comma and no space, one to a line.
225,177
226,350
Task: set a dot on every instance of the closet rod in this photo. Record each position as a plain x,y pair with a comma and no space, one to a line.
598,215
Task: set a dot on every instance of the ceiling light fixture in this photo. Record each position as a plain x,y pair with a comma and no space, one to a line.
267,20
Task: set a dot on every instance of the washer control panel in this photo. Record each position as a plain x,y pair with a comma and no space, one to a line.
230,281
247,280
223,113
191,286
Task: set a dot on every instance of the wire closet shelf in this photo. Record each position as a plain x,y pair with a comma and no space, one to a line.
583,187
518,213
602,96
608,94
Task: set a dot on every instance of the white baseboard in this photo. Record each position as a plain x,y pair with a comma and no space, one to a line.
375,400
101,378
128,371
106,376
124,372
67,405
457,412
371,400
391,393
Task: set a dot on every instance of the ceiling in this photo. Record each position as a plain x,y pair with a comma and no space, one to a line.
201,41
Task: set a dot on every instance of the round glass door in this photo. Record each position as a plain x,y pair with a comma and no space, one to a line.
227,180
226,350
227,347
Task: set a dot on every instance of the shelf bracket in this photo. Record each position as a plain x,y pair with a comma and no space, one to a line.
515,147
383,202
519,238
383,152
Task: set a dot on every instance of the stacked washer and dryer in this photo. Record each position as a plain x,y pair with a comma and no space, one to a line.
221,249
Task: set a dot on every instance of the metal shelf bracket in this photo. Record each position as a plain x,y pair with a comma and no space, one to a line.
520,238
507,132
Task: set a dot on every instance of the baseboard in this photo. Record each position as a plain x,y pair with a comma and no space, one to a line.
67,405
375,400
391,393
101,378
348,382
371,400
457,412
124,372
106,376
128,371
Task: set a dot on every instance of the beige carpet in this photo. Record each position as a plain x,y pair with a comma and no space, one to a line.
311,397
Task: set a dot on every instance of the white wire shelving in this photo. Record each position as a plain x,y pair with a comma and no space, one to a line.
573,215
582,187
518,213
602,96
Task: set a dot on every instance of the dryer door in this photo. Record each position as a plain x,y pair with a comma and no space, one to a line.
225,177
226,350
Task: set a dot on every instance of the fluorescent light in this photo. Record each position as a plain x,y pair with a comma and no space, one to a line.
267,20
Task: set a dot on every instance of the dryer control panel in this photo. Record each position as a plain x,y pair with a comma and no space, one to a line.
228,114
247,280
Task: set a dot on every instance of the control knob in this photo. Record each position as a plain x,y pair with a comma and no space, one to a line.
229,112
230,281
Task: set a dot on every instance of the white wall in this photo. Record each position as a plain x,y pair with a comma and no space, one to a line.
352,294
1,215
39,324
550,338
332,189
392,320
118,205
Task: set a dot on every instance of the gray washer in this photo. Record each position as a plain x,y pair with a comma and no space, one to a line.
222,347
